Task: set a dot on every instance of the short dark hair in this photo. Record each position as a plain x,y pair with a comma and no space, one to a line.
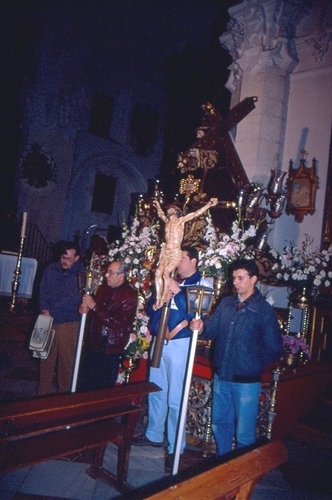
248,264
69,245
191,251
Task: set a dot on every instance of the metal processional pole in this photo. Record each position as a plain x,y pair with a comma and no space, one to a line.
199,300
88,283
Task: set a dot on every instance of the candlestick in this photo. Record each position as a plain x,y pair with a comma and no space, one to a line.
17,272
24,224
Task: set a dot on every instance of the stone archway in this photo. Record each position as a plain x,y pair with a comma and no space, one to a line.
78,213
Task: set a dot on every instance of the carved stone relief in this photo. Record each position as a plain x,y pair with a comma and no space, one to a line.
37,168
320,43
269,25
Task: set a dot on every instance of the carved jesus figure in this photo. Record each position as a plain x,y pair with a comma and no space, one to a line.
170,254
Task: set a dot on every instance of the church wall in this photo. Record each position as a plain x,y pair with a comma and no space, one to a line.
292,79
46,205
63,207
309,128
78,56
110,162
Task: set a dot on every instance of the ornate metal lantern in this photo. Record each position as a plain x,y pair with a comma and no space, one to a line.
88,281
199,299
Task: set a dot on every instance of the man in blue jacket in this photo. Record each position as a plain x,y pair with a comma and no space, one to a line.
59,297
247,338
164,406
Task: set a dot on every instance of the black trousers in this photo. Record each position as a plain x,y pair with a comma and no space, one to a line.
97,371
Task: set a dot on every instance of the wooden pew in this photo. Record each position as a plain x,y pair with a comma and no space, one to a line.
47,428
226,478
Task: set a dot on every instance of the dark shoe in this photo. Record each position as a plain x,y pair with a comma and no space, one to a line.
169,462
142,440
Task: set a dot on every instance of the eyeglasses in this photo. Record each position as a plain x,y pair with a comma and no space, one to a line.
68,259
111,272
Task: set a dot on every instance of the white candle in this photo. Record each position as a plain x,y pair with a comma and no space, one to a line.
24,224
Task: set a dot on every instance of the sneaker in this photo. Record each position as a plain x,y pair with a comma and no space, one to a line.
142,440
169,462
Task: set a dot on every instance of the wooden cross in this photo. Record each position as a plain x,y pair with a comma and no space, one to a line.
218,139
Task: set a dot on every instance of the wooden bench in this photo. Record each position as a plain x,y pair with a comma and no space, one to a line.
53,427
231,477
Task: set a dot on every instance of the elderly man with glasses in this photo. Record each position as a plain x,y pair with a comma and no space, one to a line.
111,315
59,297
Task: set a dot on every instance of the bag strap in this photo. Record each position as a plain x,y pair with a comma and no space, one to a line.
170,334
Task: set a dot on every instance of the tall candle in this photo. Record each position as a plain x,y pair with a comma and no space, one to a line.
24,224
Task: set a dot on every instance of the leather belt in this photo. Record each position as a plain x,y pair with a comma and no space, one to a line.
170,334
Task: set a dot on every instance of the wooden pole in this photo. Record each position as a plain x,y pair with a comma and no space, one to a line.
159,342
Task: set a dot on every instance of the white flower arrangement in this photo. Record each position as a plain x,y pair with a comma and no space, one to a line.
224,249
299,267
137,249
140,339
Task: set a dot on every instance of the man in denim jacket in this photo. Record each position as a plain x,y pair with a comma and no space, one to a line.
247,338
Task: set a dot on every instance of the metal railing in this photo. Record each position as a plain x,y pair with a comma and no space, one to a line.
36,246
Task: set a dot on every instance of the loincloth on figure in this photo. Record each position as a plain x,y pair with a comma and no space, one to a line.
169,256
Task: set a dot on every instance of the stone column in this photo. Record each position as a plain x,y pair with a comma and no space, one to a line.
260,38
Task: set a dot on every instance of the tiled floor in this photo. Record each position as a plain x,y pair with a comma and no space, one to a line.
306,476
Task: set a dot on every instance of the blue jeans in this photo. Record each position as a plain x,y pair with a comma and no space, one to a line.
234,413
164,406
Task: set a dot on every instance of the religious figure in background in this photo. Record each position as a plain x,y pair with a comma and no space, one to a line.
170,254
